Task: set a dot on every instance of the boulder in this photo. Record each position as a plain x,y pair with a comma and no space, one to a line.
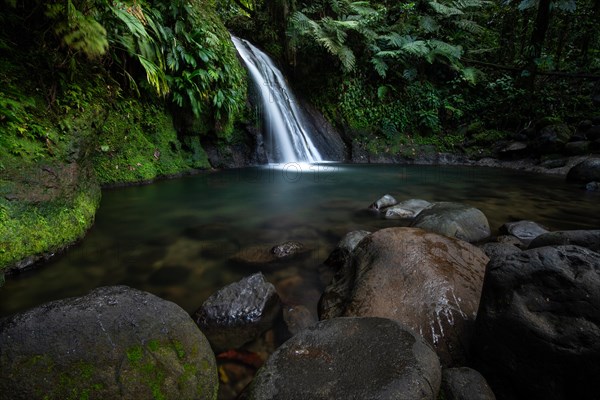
341,253
525,231
454,220
593,187
593,133
385,201
238,313
114,343
493,250
583,238
426,281
586,171
552,138
465,384
406,209
350,358
513,150
538,325
579,148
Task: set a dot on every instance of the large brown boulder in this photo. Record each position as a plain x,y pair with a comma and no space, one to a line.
426,281
114,343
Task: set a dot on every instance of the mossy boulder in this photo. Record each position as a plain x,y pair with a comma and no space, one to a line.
114,343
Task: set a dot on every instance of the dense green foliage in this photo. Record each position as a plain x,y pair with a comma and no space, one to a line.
101,92
394,72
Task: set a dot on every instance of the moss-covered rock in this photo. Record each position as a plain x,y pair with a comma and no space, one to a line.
44,207
115,342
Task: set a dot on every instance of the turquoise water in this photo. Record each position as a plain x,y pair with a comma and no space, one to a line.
176,238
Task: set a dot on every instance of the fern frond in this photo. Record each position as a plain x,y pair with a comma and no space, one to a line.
428,24
469,26
443,10
380,66
417,48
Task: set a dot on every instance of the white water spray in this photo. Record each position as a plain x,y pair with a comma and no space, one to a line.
289,140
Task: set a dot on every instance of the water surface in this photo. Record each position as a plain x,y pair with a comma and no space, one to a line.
176,238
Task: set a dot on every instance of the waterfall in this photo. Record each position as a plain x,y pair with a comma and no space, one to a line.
288,139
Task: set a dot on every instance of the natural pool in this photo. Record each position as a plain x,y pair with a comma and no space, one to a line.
176,238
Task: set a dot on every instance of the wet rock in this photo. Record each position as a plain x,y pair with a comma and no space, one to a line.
593,187
552,138
385,201
593,133
578,148
554,163
253,256
287,249
513,150
538,326
350,358
584,238
525,231
465,384
406,209
586,171
115,342
298,318
341,253
493,250
426,281
238,313
454,220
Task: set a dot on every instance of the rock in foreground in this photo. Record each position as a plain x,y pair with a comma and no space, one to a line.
238,313
538,327
350,358
114,343
426,281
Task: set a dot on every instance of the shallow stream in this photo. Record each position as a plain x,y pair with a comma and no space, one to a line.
176,238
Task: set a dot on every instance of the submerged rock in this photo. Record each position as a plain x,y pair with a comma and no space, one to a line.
350,358
238,313
454,220
493,250
426,281
115,342
287,249
538,326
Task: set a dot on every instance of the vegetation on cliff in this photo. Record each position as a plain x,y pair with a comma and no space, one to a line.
396,74
100,92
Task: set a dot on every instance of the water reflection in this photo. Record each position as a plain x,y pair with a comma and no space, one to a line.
176,238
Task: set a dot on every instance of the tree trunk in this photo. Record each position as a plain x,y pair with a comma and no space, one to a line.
542,21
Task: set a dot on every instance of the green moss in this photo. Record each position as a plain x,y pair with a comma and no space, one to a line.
135,354
77,383
40,217
179,349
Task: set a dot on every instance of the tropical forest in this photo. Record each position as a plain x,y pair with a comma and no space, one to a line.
299,199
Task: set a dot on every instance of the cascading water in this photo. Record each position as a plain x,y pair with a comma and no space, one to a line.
289,140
